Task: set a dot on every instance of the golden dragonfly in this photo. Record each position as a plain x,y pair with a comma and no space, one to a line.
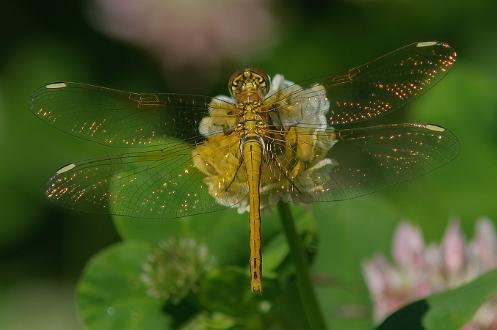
270,141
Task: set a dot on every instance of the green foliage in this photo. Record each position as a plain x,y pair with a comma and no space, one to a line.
227,228
111,294
226,291
453,308
408,318
207,321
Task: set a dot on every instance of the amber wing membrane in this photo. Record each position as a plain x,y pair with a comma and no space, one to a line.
118,118
365,160
157,183
159,179
376,88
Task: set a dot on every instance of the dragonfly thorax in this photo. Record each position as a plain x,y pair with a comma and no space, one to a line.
251,119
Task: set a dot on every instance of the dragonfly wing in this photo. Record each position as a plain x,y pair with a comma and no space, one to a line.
122,119
159,183
365,160
371,90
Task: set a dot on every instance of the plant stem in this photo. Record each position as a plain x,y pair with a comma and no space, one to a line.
306,290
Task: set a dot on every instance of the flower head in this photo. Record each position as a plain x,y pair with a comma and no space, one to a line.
422,269
174,268
188,32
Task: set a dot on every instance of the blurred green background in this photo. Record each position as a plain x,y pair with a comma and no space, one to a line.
43,248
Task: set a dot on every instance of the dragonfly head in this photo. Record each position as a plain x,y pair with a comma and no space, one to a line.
249,81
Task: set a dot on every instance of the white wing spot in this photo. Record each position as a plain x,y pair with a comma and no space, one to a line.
435,128
56,85
66,168
426,44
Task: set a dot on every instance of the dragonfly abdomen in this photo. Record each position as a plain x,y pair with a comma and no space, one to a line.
252,157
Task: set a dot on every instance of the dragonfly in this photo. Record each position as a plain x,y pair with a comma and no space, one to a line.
271,140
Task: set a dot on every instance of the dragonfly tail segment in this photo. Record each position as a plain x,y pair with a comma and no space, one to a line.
252,157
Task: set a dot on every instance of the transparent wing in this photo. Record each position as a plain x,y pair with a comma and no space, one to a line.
159,183
122,119
364,160
374,89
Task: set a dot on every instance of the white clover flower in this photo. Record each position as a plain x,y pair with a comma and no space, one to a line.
174,268
221,168
421,270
